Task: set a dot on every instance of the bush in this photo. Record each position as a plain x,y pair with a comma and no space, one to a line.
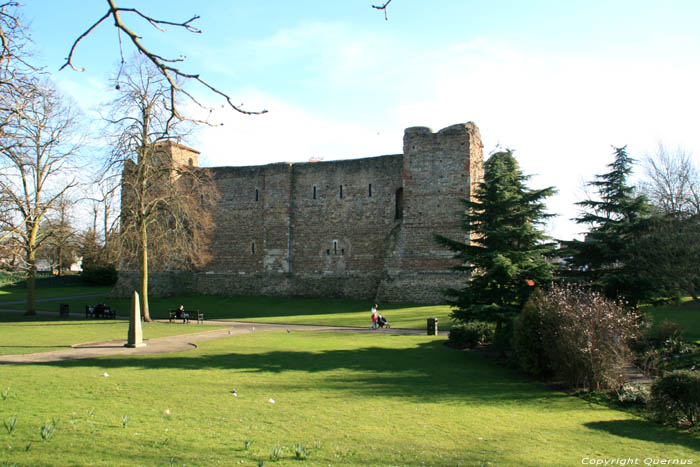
669,330
471,334
675,397
100,275
577,335
633,394
528,338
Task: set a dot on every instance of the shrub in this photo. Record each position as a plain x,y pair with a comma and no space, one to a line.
669,330
579,336
675,397
471,334
633,394
100,275
528,338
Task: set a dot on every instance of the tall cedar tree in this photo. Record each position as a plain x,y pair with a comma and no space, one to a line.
506,254
615,219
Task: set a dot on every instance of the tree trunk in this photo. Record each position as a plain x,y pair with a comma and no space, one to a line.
31,285
60,261
144,274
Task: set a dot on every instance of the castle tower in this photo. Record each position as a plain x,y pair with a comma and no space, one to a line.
179,153
439,170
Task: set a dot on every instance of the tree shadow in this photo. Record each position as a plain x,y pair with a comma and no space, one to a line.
428,372
35,346
646,431
66,323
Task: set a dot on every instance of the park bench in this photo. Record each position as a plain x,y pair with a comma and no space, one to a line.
100,311
185,315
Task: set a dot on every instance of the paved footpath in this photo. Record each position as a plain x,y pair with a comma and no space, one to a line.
178,343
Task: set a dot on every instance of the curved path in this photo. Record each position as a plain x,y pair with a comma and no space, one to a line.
179,343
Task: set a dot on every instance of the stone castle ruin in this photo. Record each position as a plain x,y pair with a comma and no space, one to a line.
361,228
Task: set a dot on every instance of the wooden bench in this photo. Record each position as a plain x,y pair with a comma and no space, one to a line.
186,315
100,312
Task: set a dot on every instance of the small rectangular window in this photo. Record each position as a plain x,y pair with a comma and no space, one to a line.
256,194
341,191
335,247
252,248
370,190
314,195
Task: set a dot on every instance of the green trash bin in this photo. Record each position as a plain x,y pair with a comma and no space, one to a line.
432,326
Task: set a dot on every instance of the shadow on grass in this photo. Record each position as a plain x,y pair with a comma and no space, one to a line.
34,346
645,431
428,371
63,323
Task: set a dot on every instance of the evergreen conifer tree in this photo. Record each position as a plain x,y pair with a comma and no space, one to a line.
615,218
506,251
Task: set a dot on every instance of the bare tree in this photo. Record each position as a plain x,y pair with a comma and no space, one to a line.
37,146
672,182
165,216
60,247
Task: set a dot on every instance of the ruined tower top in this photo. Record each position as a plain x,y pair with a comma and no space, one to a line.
180,154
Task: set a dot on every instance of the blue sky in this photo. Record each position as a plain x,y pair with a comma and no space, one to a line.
558,81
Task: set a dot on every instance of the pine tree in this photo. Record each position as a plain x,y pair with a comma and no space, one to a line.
507,249
615,218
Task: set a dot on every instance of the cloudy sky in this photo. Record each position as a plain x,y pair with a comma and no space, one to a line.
558,82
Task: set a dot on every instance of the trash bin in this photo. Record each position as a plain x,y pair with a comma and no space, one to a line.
63,310
432,326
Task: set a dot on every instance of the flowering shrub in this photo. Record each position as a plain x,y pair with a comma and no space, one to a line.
580,337
633,394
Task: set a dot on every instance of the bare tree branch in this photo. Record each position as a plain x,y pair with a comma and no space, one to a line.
164,65
383,7
672,182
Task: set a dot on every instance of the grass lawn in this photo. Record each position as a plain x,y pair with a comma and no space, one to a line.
331,312
687,314
13,293
339,399
23,335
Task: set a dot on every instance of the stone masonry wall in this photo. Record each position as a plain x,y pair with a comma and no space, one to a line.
359,228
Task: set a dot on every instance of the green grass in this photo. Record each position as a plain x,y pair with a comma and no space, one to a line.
331,312
347,399
11,294
687,314
340,398
23,335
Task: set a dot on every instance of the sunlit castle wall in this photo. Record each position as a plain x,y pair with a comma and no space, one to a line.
361,228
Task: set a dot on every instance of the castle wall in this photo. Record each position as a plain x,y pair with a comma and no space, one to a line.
361,228
438,172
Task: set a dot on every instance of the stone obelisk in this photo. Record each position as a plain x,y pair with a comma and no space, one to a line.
135,337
